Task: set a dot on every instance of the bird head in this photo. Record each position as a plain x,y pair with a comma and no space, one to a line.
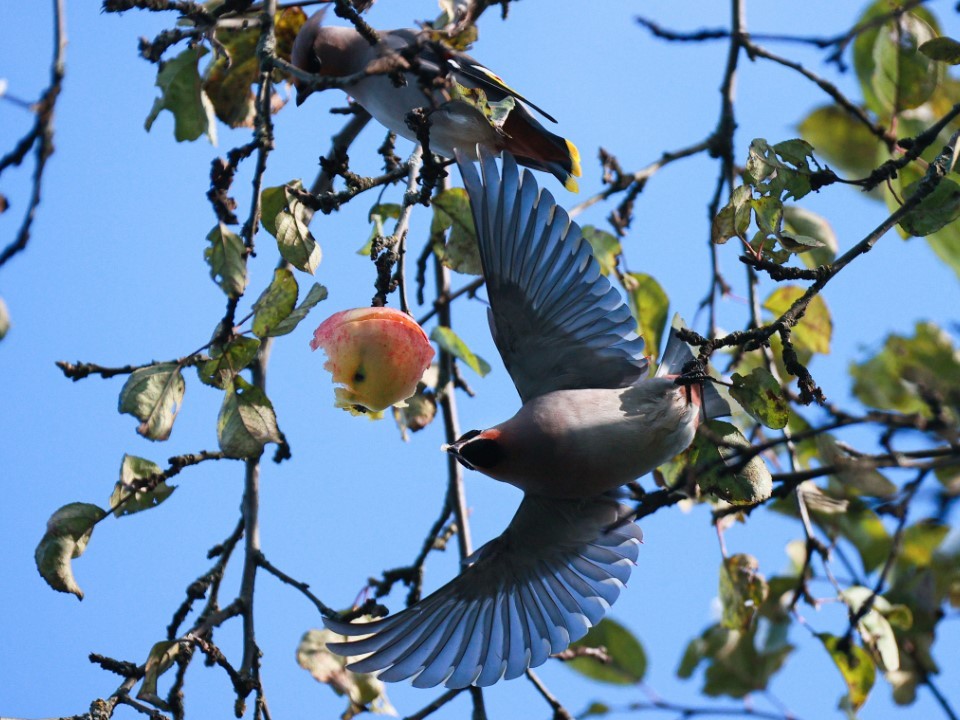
329,51
480,450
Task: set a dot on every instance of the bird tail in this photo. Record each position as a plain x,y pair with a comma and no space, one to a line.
536,147
676,359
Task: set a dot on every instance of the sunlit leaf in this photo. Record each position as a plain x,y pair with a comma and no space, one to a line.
451,211
153,395
316,294
378,215
161,658
606,247
247,421
734,218
286,218
920,542
628,661
719,469
127,498
649,304
815,329
904,78
275,304
364,691
938,209
449,341
228,78
842,140
874,628
227,258
735,666
855,666
799,222
761,395
181,94
68,532
781,171
742,590
227,361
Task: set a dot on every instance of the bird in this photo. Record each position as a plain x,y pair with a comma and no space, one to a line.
455,122
592,419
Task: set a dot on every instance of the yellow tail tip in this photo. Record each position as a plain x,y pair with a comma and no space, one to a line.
574,158
571,184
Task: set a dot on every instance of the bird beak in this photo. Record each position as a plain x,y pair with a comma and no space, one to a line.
454,449
303,93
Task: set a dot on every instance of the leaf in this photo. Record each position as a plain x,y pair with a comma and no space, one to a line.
181,94
815,328
718,470
247,421
904,78
286,218
920,542
735,666
276,303
938,209
417,411
377,215
227,258
153,395
126,498
451,211
4,320
801,226
781,171
448,341
160,659
852,472
742,591
908,369
875,631
762,397
649,304
228,78
734,217
227,361
946,244
628,661
606,247
365,692
496,112
842,140
68,532
317,293
942,49
855,666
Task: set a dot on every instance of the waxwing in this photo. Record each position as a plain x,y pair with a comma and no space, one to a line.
592,419
455,123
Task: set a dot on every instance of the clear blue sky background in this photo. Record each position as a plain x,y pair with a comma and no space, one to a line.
115,274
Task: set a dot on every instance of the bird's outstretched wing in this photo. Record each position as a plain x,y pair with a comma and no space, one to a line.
532,591
558,322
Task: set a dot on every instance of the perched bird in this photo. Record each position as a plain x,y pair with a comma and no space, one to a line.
591,421
456,123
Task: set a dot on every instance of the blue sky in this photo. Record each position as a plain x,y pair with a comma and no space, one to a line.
114,274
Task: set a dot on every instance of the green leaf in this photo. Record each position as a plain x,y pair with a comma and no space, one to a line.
247,421
496,112
855,666
227,361
286,218
782,171
904,78
875,630
939,208
946,244
364,691
228,78
448,340
275,304
227,258
717,467
127,498
768,212
378,214
735,666
160,659
862,527
908,369
734,218
842,140
181,94
606,247
742,591
68,532
761,395
649,304
451,211
802,226
942,49
153,395
920,542
628,661
815,329
4,320
317,293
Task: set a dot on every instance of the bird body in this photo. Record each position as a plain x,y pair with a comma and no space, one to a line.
455,124
591,420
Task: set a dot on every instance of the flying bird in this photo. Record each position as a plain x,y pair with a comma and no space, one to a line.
455,123
592,419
